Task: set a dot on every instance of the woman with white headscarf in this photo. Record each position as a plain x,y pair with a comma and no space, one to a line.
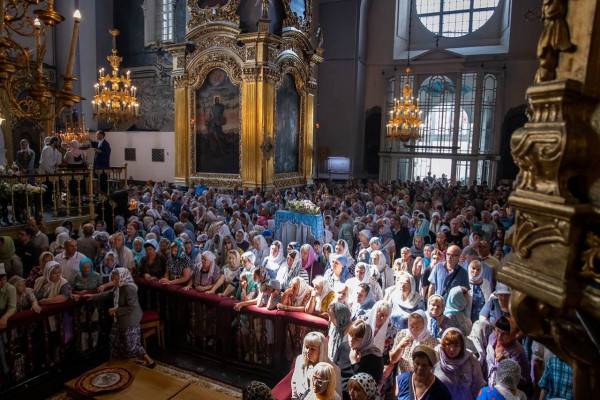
260,248
404,298
407,339
275,258
52,288
384,331
386,275
342,249
296,296
322,295
290,269
58,245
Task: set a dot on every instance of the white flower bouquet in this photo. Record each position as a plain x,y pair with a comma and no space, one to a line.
303,206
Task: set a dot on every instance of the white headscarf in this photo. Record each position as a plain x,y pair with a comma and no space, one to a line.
346,253
395,296
326,289
380,336
303,288
52,289
274,262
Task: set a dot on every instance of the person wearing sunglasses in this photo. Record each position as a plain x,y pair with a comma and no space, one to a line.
448,274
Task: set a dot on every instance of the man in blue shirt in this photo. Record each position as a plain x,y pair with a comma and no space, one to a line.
446,275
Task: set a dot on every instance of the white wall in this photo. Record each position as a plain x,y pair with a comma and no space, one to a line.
143,168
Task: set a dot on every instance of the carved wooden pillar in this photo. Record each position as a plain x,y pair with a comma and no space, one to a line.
258,108
554,268
181,121
182,131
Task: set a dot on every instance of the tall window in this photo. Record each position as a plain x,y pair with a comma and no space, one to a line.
459,126
167,11
453,18
488,105
437,101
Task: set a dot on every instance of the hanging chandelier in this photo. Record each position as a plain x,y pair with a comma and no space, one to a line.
405,120
115,97
405,116
74,130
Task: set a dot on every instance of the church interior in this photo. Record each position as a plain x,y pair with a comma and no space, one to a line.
332,199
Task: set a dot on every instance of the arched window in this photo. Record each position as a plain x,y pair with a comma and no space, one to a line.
453,18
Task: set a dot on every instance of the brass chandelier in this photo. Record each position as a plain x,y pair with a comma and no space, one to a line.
405,116
405,121
115,97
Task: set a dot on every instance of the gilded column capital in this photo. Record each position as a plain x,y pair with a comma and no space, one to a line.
554,148
180,81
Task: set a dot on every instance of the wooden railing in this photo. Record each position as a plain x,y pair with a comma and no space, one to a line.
68,193
207,324
109,180
198,323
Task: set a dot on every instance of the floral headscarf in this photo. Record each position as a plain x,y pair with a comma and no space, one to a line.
367,383
257,391
125,279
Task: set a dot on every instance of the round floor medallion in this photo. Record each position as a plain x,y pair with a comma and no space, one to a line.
104,380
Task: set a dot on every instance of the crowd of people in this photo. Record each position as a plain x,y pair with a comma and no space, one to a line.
405,275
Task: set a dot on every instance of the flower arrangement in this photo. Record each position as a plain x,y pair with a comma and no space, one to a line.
18,188
303,206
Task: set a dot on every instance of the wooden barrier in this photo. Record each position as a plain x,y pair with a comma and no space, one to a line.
204,324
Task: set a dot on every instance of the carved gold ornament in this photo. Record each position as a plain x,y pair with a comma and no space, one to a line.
555,39
591,257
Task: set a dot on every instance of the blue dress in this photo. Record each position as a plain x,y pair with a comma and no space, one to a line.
488,393
437,391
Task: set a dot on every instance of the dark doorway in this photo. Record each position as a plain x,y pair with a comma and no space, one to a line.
372,139
514,119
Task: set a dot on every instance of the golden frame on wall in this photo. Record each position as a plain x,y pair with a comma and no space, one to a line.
256,63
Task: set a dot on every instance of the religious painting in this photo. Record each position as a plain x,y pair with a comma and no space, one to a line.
218,125
212,3
288,126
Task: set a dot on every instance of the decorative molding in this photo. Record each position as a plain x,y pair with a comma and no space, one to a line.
548,156
288,180
224,181
224,14
591,257
530,233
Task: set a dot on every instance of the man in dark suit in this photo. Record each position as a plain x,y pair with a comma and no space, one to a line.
101,159
102,149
